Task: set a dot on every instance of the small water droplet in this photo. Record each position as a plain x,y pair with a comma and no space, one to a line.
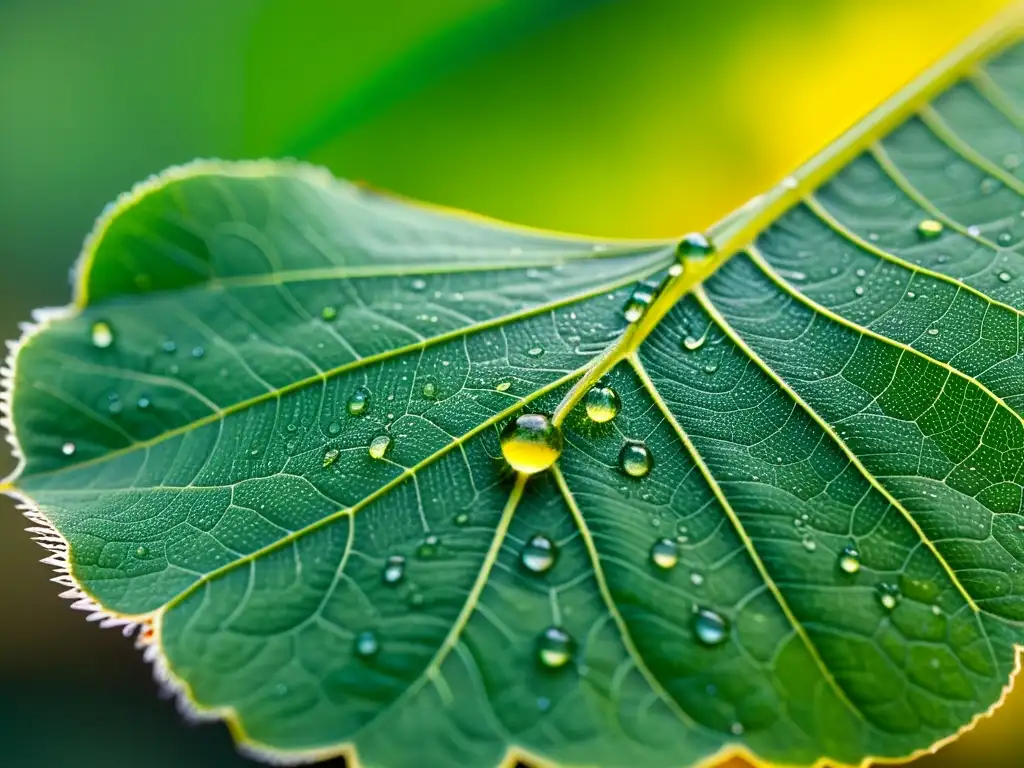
366,645
810,545
530,443
1011,162
710,368
736,729
989,185
602,404
328,313
331,456
1004,238
429,547
933,331
1005,277
379,446
929,229
639,301
429,390
694,246
859,290
888,594
142,552
936,610
535,351
503,386
169,346
555,648
974,230
68,449
849,559
358,402
696,579
102,335
461,519
635,459
144,403
538,554
665,554
394,570
693,343
334,428
710,627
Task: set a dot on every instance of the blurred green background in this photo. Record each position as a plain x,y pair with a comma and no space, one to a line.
640,118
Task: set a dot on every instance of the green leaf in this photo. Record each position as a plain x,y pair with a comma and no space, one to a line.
786,521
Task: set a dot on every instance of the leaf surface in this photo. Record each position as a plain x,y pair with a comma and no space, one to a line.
268,429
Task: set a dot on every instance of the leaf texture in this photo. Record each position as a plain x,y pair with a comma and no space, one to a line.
268,430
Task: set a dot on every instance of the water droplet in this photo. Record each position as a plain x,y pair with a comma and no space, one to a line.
366,645
989,185
810,545
419,284
331,456
555,648
429,390
710,628
1004,238
1005,277
710,368
428,548
503,386
974,230
849,559
142,552
538,554
334,428
602,404
933,331
859,290
394,570
169,347
929,229
936,610
461,519
665,554
358,402
888,594
144,403
693,343
635,459
530,443
68,449
535,351
379,446
102,335
694,246
1011,162
639,301
328,313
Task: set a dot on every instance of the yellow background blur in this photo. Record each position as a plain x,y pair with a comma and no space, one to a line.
625,118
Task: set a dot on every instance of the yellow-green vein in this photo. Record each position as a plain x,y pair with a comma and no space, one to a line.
994,94
953,140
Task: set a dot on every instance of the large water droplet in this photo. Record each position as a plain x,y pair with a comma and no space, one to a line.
709,627
888,594
929,229
538,554
394,570
142,552
1005,277
602,404
366,645
665,554
639,301
379,446
635,459
849,559
694,245
531,443
68,449
358,402
555,648
102,335
330,456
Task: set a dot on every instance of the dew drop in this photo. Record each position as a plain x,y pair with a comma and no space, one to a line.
929,229
419,284
358,402
169,346
696,579
555,648
198,352
602,404
535,351
379,446
933,331
974,230
1011,162
694,246
366,645
330,457
142,552
639,301
429,390
394,570
461,519
736,729
68,449
1004,238
1005,277
989,185
333,428
859,290
144,403
888,594
665,554
635,459
538,554
849,559
710,368
709,627
810,545
328,313
102,335
428,548
530,443
503,386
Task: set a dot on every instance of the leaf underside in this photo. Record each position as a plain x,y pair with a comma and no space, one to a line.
848,379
